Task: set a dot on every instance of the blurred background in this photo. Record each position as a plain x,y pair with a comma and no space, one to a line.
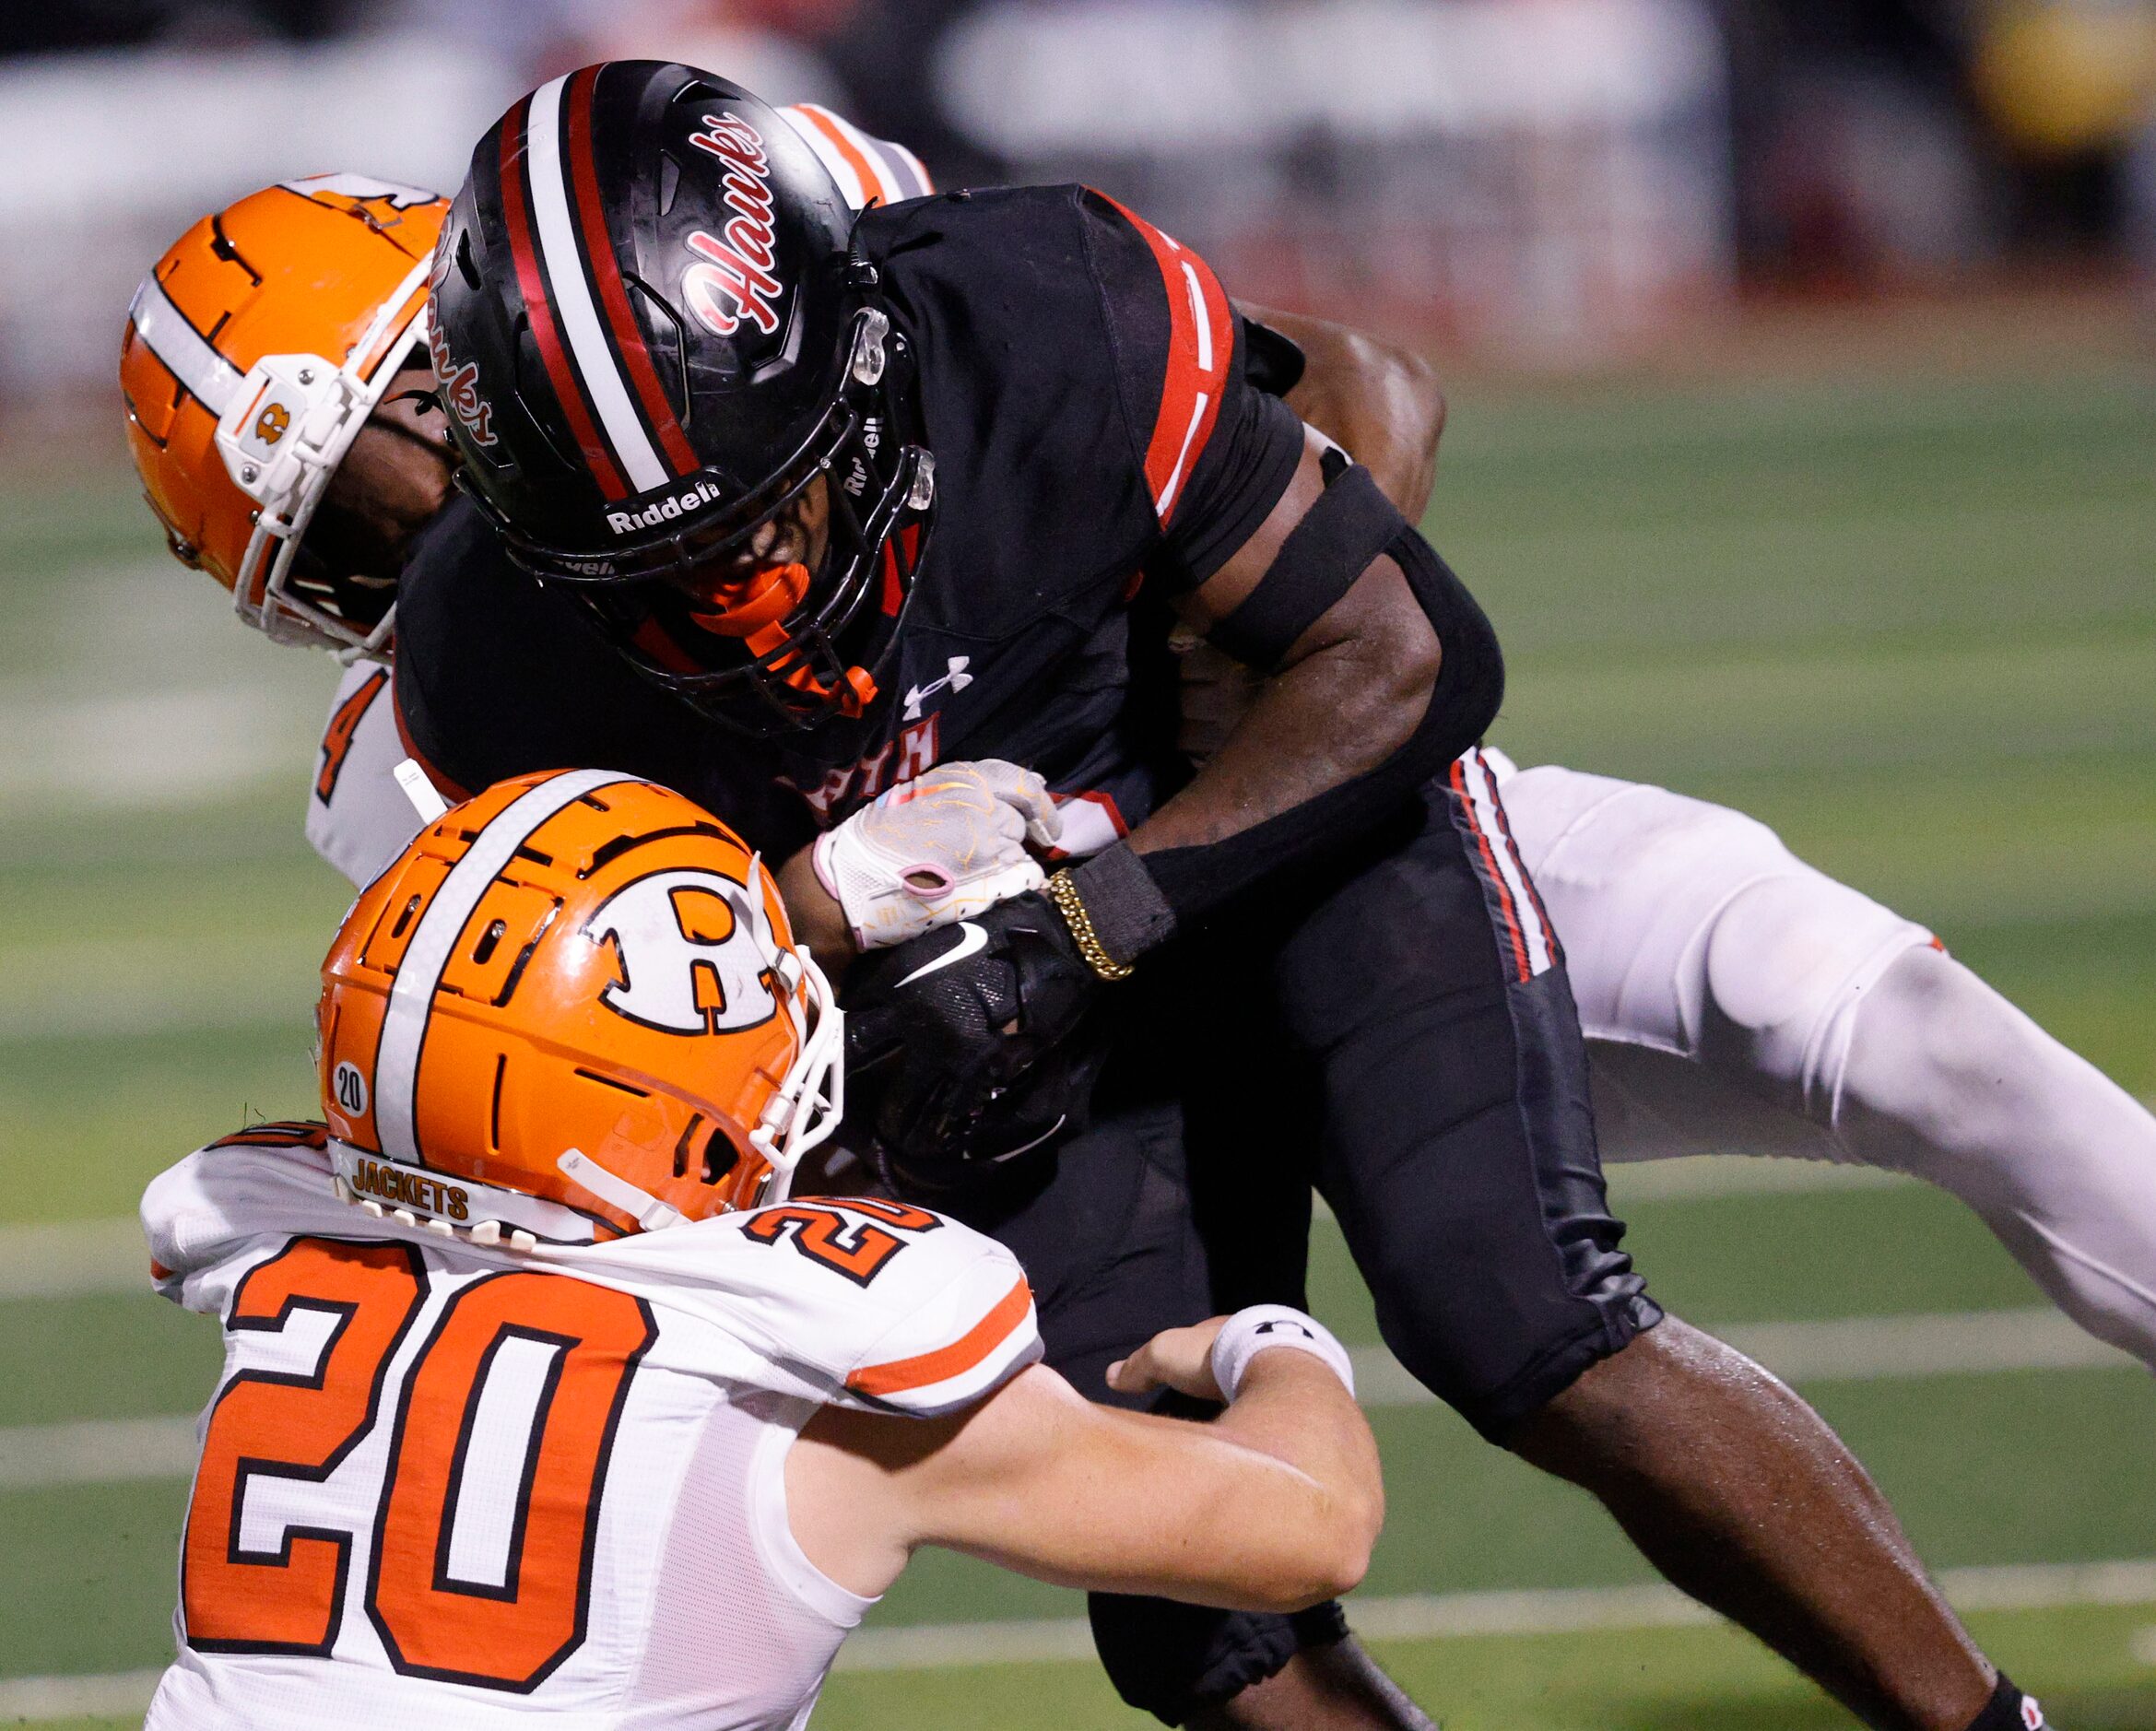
1802,449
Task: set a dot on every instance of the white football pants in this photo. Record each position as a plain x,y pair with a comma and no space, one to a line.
1739,1001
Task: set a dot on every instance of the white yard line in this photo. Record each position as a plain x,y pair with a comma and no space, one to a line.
1710,1177
1409,1617
1432,1615
73,1258
81,1257
115,1694
98,1451
1855,1349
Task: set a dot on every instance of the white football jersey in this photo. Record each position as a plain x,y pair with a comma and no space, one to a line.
357,818
449,1485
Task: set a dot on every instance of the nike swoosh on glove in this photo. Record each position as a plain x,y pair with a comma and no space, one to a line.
965,1045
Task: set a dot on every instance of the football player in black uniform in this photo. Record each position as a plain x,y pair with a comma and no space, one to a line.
852,497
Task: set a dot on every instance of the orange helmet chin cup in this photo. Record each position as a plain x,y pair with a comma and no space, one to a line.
859,686
762,599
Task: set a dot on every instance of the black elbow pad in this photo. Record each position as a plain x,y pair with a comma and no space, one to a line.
1470,675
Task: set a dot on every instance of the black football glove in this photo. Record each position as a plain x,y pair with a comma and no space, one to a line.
965,1040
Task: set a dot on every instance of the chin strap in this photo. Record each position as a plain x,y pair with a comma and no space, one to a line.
650,1214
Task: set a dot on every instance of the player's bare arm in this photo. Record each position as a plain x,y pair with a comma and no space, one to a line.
1272,1506
1381,402
1382,405
1348,694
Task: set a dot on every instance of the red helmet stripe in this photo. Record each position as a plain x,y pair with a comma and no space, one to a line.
606,269
531,281
1201,342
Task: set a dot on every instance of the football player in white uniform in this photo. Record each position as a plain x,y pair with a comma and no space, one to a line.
543,1395
1739,1001
1735,999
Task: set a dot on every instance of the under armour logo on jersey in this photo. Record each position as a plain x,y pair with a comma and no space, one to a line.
684,941
955,676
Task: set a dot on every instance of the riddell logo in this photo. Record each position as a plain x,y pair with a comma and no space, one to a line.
666,510
735,281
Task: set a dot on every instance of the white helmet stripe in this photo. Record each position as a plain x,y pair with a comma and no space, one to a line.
411,999
581,323
185,352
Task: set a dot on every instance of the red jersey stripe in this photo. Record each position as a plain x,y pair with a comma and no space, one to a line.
1201,342
1490,874
448,789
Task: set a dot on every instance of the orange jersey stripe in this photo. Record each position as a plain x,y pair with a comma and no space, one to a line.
955,1359
871,179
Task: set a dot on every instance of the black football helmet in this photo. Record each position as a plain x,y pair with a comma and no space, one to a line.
655,334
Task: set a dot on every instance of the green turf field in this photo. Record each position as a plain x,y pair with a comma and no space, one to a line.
1912,625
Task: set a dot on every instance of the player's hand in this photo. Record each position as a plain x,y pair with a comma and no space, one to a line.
1180,1359
940,848
965,1045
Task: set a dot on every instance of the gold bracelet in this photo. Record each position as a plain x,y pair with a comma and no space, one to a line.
1064,895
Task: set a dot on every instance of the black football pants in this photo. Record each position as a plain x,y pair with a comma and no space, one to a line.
1398,1029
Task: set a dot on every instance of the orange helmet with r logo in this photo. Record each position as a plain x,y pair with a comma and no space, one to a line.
573,1009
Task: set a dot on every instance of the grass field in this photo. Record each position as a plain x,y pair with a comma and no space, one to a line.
1913,624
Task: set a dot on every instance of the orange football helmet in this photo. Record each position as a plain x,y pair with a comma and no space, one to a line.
254,353
573,1009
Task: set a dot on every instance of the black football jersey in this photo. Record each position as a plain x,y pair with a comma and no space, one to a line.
1099,449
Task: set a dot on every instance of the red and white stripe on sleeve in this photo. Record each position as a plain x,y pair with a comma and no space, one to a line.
1201,344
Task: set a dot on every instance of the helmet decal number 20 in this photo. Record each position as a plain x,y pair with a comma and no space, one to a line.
471,1581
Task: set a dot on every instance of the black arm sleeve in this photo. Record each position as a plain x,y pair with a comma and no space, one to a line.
1133,910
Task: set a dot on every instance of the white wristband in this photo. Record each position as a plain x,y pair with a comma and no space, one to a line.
1248,1333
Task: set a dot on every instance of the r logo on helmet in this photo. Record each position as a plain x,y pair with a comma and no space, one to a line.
688,963
273,423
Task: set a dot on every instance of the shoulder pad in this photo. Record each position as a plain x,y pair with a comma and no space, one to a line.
280,1133
921,1315
267,1179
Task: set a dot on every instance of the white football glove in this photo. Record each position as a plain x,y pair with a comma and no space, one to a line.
938,848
